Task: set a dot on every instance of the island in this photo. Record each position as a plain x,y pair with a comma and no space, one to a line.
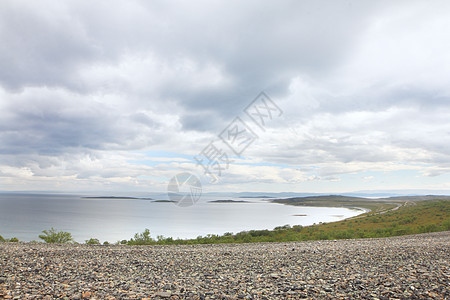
229,201
116,198
163,201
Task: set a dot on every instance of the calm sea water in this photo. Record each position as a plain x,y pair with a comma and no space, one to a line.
25,216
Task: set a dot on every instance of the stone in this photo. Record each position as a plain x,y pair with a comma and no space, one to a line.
164,294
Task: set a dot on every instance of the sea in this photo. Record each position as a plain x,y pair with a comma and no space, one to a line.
25,216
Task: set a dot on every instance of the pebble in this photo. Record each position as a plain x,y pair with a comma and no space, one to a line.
414,266
164,294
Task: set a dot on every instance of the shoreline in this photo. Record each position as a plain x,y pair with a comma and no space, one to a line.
363,210
381,206
219,227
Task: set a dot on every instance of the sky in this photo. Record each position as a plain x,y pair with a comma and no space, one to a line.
120,96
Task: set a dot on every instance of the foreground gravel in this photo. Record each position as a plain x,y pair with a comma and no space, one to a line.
402,267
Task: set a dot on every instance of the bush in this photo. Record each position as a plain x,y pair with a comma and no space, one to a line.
105,243
53,236
297,228
446,225
285,227
3,240
142,238
161,240
429,228
92,241
257,233
408,220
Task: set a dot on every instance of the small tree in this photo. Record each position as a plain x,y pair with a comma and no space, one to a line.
2,240
53,236
92,241
142,238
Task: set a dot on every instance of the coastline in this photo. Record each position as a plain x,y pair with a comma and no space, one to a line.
361,214
88,218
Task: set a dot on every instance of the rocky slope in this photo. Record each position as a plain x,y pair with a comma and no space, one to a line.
400,267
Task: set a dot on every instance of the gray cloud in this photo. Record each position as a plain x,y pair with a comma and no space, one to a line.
357,81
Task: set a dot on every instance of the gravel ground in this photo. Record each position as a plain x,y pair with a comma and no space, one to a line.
407,267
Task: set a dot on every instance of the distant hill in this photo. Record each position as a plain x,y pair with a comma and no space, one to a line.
420,198
228,201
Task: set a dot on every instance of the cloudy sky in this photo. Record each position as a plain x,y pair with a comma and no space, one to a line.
119,96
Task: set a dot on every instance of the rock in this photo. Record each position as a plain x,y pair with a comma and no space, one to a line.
86,295
163,294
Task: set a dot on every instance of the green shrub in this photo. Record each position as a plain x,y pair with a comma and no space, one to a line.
446,225
429,228
344,234
92,241
105,243
2,240
284,227
165,241
142,238
256,233
401,231
408,220
53,236
13,240
297,228
324,235
246,238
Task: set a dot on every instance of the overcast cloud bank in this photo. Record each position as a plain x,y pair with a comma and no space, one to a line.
119,96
